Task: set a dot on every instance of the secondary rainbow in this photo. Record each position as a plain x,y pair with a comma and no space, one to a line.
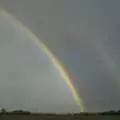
108,63
56,62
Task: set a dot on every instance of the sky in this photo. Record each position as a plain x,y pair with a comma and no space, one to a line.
84,34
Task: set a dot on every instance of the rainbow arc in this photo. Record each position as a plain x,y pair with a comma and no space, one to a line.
60,67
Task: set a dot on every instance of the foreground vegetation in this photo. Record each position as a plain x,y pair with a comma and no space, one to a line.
25,115
60,117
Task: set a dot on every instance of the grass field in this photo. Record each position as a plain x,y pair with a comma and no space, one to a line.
38,117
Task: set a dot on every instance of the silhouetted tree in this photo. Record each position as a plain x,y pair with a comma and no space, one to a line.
119,111
3,111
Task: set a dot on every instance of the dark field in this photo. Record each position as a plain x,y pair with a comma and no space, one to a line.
38,117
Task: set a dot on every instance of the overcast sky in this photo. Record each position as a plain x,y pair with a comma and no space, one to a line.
84,34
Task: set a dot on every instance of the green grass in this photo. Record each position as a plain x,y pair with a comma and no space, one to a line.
38,117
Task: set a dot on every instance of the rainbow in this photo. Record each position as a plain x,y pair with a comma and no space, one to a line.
108,62
56,62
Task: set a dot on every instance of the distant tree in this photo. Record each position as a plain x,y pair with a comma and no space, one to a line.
119,111
3,111
20,112
111,111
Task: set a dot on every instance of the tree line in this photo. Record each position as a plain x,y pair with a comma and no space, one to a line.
22,112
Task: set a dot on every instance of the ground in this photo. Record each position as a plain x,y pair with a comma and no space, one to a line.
38,117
